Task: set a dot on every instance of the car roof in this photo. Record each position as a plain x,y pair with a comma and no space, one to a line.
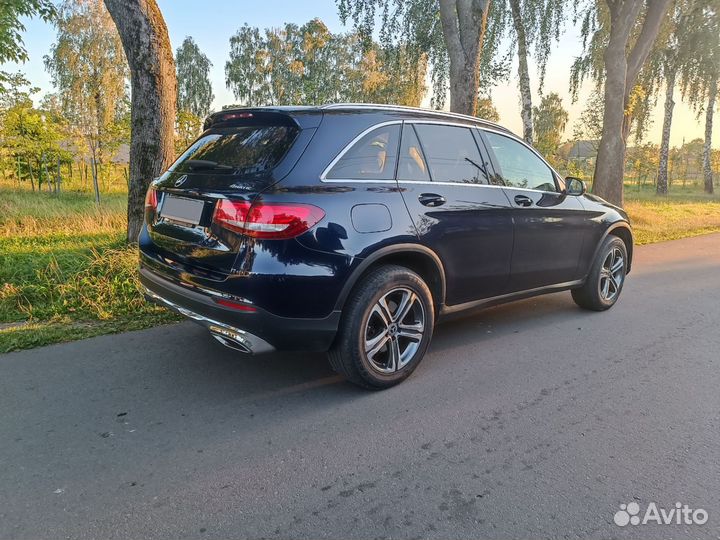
415,112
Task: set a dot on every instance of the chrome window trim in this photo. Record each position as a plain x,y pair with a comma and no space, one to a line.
431,183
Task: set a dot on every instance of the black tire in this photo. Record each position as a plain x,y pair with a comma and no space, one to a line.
364,321
592,295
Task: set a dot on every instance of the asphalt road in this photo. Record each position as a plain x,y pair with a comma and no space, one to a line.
534,419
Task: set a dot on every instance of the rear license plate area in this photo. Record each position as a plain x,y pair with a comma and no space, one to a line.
182,210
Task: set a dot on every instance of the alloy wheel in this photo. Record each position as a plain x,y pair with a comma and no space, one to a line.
394,330
612,274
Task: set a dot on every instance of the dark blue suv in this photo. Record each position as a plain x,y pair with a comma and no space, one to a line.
353,229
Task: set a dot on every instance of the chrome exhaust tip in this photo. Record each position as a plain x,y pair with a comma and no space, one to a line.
234,338
231,339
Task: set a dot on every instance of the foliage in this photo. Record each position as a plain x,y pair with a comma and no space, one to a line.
589,126
88,67
486,110
701,38
309,64
542,23
31,138
187,128
550,121
195,93
642,161
416,26
12,47
595,31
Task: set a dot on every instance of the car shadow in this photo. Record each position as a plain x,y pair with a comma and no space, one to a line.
227,374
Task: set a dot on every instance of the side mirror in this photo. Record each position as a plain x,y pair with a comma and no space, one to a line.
574,186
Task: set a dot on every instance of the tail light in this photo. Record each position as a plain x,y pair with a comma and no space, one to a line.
151,198
270,221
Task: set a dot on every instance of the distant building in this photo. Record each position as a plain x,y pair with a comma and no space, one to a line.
583,151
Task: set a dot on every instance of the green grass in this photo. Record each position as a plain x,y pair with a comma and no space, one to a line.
680,214
66,273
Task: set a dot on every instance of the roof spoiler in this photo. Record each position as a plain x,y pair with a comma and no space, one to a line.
264,116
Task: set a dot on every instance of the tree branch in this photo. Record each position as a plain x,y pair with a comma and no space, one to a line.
651,25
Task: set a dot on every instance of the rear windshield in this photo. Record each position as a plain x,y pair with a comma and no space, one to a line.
247,150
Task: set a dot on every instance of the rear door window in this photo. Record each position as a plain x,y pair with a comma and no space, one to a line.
247,150
452,154
373,157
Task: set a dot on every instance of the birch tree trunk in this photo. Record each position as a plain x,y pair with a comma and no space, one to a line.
463,24
707,148
32,182
662,180
96,184
59,177
154,91
523,72
621,71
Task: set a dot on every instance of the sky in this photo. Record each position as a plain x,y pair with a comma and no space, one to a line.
212,22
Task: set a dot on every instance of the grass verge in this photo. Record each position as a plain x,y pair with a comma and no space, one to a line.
66,273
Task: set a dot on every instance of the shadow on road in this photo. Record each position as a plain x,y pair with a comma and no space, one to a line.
206,367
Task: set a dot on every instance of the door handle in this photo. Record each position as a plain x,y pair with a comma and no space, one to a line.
523,200
431,199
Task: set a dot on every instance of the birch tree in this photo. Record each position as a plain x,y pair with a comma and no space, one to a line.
702,72
88,67
533,26
195,93
671,65
550,121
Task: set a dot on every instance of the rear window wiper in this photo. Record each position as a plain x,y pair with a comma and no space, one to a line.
207,165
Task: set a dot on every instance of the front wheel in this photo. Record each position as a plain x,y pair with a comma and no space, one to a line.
386,328
605,281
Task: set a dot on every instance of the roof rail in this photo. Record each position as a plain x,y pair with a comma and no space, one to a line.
409,109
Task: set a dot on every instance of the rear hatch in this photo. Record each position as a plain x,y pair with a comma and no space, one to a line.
239,155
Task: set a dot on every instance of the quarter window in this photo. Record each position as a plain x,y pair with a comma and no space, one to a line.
520,167
452,154
412,164
373,157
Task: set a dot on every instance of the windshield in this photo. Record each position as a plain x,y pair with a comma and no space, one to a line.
250,150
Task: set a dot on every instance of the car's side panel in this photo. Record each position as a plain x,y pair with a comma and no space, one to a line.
549,238
472,234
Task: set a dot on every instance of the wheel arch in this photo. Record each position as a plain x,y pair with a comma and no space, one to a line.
622,230
420,259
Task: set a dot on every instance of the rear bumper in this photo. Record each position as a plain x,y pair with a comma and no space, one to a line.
229,336
256,332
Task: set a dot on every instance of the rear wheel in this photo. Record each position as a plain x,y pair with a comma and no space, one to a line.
386,328
605,281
